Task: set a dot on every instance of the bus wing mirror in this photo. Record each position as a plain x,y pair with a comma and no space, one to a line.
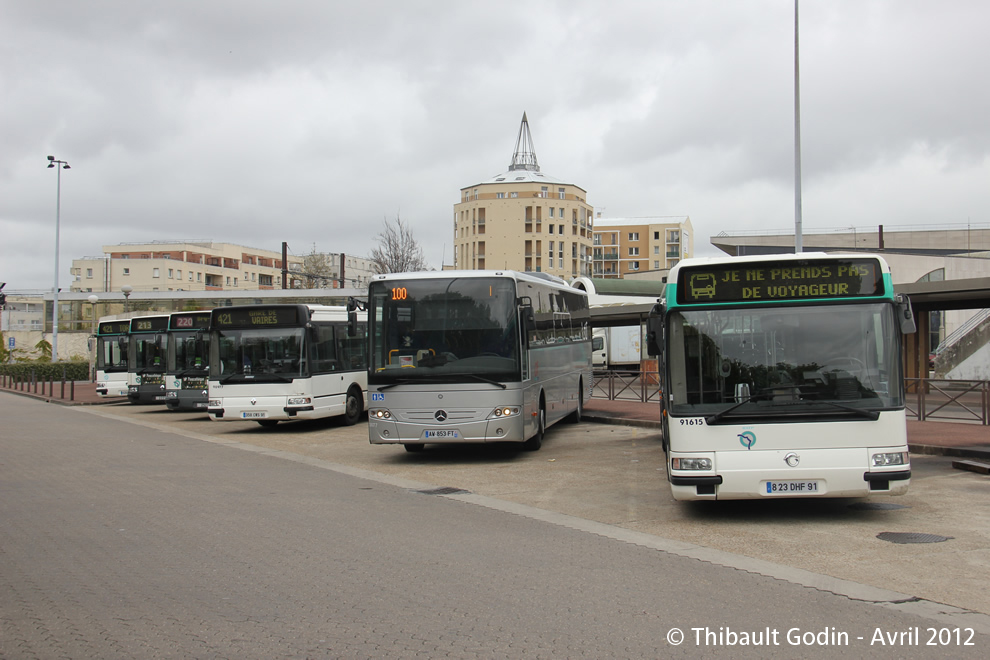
353,304
654,330
905,316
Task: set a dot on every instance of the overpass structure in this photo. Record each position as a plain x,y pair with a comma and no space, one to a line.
925,297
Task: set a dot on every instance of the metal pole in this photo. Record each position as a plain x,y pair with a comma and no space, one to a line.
798,238
58,165
58,213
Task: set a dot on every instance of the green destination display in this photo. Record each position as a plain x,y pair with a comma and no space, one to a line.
256,317
114,328
779,280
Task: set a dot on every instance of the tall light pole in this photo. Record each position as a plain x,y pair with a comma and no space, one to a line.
798,220
52,162
93,299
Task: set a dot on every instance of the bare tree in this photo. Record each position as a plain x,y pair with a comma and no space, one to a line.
397,251
317,270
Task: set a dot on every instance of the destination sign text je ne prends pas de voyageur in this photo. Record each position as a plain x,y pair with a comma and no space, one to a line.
780,281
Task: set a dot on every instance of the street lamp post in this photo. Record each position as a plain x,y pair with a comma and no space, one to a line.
93,299
52,162
126,290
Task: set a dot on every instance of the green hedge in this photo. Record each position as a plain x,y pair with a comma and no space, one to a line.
46,370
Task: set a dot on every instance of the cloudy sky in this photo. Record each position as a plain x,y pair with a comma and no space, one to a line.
310,122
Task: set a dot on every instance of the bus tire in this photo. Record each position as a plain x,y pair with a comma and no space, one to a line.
268,423
534,443
352,407
414,447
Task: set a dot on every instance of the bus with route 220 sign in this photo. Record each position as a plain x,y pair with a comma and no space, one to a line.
781,376
282,362
187,368
475,356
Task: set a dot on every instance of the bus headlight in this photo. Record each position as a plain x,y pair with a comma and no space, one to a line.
298,401
691,463
380,413
891,458
507,411
216,403
171,394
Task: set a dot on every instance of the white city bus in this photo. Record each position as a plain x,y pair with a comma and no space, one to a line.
475,356
271,363
782,377
111,356
147,351
188,364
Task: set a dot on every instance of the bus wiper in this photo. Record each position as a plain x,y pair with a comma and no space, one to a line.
482,379
869,414
713,419
191,370
397,381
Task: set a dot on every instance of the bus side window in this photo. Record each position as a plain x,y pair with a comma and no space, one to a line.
324,350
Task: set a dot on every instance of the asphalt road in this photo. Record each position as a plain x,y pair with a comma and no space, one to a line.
134,533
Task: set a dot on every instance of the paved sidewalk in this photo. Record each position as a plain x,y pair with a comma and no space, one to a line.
963,439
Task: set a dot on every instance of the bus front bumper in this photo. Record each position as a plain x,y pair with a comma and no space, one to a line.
389,431
278,408
186,400
841,472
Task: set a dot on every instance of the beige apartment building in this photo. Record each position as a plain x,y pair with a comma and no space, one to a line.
633,245
524,220
184,266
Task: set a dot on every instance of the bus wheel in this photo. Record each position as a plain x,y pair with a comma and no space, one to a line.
536,441
268,423
414,447
352,407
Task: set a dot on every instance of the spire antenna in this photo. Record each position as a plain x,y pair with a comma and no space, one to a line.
524,157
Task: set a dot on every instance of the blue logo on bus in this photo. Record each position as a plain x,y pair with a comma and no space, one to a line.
747,439
377,396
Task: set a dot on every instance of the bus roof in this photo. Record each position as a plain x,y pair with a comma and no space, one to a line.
533,278
801,256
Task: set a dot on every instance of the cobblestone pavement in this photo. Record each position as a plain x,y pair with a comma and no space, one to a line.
121,540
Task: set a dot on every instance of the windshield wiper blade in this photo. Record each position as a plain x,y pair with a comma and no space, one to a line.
483,379
869,414
438,378
713,419
398,381
186,372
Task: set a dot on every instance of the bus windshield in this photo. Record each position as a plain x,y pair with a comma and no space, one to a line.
188,352
760,362
443,329
258,354
149,352
111,354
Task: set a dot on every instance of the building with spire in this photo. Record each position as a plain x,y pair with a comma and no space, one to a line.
524,220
